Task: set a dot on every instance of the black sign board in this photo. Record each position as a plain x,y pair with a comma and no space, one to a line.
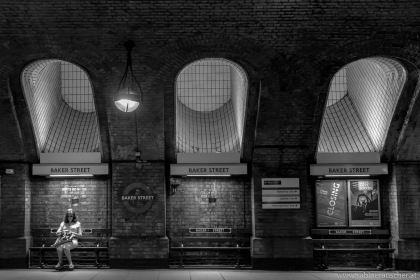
350,232
210,230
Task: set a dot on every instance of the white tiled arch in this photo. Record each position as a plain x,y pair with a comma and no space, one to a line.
60,99
211,96
361,102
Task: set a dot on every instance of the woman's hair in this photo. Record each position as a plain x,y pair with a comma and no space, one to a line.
66,217
358,203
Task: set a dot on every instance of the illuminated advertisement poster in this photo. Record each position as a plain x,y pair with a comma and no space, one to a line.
331,203
364,203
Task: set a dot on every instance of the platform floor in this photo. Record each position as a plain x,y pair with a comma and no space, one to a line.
197,274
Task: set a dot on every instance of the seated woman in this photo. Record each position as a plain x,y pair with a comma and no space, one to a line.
72,227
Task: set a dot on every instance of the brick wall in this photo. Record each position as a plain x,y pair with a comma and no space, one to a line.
406,188
15,197
139,239
15,213
291,49
280,163
52,197
150,223
190,206
281,233
404,197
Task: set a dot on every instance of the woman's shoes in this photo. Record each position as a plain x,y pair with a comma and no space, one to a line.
59,266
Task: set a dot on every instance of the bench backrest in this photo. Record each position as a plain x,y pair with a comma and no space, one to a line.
90,236
230,236
355,237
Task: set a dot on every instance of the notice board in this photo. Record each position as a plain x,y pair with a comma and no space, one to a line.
280,193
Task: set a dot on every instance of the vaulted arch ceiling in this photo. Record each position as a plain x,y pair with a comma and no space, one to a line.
60,99
211,97
361,102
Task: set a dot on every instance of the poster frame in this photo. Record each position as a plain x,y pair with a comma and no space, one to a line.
363,223
346,216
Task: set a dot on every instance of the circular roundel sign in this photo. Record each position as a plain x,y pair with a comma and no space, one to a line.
137,198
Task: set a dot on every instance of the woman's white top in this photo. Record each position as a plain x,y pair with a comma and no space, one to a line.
73,227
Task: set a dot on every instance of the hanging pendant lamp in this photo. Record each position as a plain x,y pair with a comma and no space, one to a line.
129,94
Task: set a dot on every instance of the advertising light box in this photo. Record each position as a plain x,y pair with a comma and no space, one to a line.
331,203
364,203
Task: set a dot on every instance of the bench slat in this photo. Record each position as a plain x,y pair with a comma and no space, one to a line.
348,232
351,241
75,249
344,250
210,248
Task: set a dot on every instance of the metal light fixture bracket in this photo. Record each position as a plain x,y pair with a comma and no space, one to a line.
127,99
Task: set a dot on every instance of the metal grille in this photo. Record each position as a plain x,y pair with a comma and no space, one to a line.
210,107
60,100
204,86
342,130
375,86
338,87
76,88
360,105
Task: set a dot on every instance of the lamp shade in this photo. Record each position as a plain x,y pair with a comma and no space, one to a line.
127,100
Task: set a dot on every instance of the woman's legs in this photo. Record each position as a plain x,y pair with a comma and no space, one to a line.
66,249
67,253
60,257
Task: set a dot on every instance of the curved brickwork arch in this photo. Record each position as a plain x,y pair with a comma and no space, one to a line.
256,59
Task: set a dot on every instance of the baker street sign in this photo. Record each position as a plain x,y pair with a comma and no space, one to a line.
137,198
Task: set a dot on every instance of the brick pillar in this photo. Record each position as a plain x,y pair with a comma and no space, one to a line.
139,239
404,197
15,203
281,237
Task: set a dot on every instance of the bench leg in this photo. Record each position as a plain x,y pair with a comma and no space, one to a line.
238,256
381,256
324,260
181,264
97,259
41,259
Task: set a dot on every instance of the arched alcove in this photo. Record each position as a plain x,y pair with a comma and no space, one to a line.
211,96
60,99
361,102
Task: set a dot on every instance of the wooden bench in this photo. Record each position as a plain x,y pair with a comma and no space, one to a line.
236,243
329,241
93,241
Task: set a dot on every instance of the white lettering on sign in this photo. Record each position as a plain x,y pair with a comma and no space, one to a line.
333,198
350,232
364,186
137,197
